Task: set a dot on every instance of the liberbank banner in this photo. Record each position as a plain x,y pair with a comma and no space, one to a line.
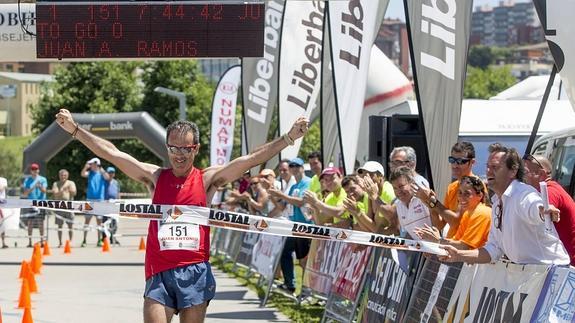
557,21
300,64
15,44
260,80
353,27
439,35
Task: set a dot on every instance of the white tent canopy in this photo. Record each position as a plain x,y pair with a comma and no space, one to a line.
533,88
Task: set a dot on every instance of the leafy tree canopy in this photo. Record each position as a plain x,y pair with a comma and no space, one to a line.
485,83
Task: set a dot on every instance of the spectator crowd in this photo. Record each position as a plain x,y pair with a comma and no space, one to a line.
476,222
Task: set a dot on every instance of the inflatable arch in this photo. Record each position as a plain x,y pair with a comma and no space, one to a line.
123,125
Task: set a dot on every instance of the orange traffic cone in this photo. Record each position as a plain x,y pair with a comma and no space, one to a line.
24,269
142,244
24,300
106,245
27,318
31,282
36,263
67,249
46,249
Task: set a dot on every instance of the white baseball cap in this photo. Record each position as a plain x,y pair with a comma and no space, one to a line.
372,167
94,160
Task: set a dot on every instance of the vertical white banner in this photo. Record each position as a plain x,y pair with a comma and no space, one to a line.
300,64
224,116
353,27
556,18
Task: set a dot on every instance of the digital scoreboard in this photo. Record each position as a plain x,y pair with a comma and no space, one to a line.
121,30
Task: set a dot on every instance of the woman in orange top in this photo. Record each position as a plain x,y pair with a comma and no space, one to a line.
475,222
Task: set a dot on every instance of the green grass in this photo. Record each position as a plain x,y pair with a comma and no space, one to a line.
286,305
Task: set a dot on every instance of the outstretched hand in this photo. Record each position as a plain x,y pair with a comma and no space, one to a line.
64,119
299,128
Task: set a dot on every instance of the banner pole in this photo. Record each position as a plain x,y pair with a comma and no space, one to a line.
541,109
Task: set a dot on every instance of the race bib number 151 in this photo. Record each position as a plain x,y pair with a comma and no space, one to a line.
179,236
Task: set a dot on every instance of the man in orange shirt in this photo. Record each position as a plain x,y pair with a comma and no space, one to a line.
462,159
475,217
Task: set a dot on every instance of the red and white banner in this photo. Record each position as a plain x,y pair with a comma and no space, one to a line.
321,267
265,253
353,27
350,272
224,116
300,64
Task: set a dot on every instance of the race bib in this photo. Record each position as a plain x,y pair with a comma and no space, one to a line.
178,236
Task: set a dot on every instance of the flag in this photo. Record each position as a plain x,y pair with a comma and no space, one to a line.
224,116
353,28
300,64
439,37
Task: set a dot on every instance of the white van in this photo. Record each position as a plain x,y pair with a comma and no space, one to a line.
559,148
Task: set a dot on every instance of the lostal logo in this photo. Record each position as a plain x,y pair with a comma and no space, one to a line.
143,211
388,241
305,230
228,219
175,213
63,205
341,235
86,207
261,225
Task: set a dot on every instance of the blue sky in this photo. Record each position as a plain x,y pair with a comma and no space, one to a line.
395,8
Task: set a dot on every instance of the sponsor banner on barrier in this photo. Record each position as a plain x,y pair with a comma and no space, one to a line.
232,220
501,292
245,254
323,259
388,286
350,271
265,253
557,300
430,297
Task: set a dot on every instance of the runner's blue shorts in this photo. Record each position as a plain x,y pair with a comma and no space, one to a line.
182,287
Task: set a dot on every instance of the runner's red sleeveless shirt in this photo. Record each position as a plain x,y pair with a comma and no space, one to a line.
178,191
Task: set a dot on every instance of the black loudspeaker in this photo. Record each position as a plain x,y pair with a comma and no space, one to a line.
385,133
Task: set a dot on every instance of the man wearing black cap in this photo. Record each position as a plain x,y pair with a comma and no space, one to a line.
294,202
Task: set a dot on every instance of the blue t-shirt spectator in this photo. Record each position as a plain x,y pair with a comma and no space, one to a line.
112,189
36,193
96,186
297,190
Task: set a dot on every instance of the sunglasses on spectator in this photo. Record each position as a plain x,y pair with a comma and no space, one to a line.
182,150
532,159
458,161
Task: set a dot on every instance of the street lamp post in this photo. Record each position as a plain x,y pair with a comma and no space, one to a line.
181,98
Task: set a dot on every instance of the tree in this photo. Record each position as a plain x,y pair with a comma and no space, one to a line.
483,84
124,87
183,76
480,56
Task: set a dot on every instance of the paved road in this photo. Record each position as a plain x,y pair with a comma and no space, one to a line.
90,286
